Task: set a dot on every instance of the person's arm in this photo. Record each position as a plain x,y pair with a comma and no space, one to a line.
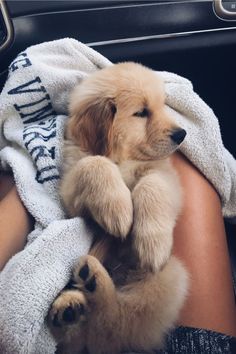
15,225
200,242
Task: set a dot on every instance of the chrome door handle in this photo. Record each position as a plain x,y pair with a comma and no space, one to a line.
6,27
225,9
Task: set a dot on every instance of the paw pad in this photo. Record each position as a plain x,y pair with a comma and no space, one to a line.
84,272
91,284
69,315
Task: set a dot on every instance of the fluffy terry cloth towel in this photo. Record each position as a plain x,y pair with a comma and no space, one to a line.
33,108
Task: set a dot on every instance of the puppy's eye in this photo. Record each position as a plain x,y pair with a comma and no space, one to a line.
143,114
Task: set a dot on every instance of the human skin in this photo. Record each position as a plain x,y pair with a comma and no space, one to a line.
15,221
199,241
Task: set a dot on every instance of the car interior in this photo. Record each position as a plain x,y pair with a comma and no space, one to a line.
192,38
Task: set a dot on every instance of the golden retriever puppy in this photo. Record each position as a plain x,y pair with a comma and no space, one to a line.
118,174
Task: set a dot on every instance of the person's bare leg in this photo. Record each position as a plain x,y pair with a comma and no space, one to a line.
200,241
15,222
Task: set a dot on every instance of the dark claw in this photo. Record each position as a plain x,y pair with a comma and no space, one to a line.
55,321
81,309
71,285
84,272
69,315
91,284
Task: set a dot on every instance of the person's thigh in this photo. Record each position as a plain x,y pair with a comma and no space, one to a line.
200,242
15,221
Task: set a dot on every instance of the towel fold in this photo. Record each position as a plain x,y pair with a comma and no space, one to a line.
33,108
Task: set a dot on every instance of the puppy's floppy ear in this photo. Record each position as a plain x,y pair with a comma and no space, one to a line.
90,123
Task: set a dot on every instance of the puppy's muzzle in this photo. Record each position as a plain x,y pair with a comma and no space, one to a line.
178,136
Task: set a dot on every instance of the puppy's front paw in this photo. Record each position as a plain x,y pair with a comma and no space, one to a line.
69,308
101,192
117,216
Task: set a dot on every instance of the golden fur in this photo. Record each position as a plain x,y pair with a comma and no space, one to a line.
118,174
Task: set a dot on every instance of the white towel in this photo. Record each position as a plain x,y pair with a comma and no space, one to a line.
203,143
31,123
33,108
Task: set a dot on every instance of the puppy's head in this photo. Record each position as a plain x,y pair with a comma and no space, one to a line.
119,112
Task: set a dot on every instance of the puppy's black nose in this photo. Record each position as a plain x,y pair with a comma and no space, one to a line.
178,136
